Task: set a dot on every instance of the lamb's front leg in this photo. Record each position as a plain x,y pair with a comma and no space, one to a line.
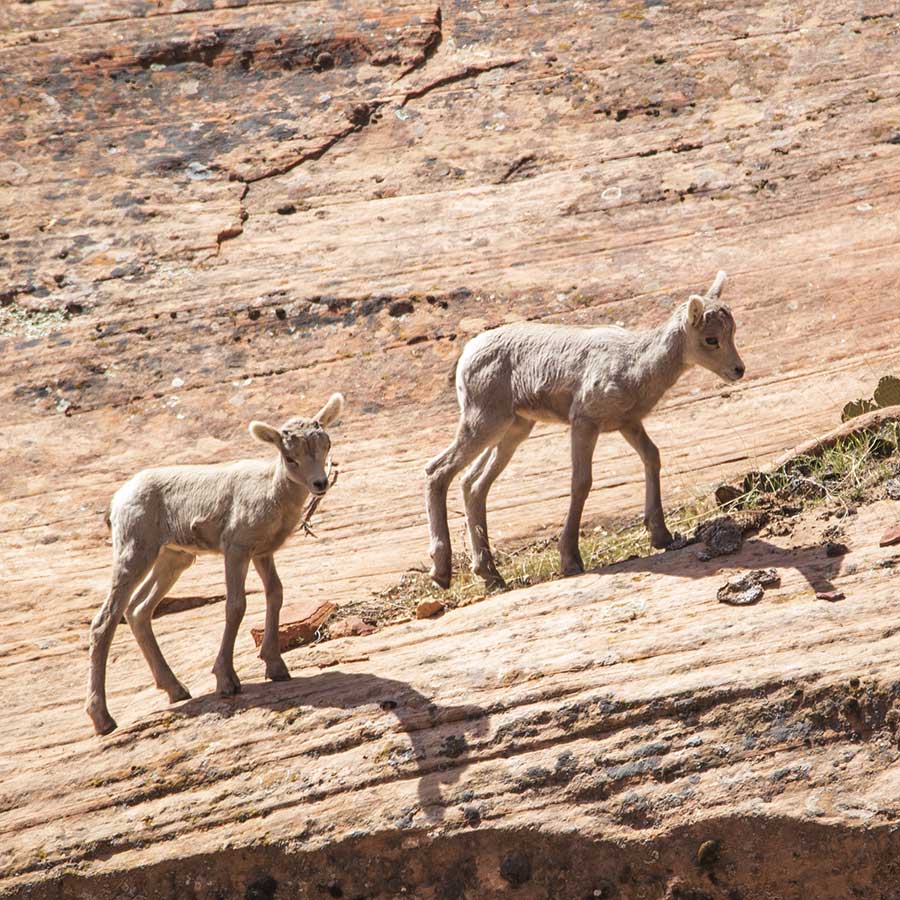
270,652
654,519
584,439
237,562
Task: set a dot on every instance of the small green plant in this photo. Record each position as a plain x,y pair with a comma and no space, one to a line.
887,393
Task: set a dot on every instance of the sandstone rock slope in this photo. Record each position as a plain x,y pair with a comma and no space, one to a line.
218,211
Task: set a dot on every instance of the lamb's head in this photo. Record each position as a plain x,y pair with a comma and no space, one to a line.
304,444
709,327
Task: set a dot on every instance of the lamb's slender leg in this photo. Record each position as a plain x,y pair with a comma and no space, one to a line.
584,439
130,567
475,491
169,566
472,474
654,519
270,652
469,477
471,439
237,562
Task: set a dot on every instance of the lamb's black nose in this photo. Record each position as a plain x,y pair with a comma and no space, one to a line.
320,485
739,371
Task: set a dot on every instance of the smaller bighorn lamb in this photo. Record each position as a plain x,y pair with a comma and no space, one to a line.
593,379
162,518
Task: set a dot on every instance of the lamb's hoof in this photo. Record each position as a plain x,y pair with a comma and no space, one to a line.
178,694
572,568
493,581
278,672
661,540
104,725
441,579
228,686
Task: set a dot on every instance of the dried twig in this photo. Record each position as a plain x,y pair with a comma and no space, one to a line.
332,477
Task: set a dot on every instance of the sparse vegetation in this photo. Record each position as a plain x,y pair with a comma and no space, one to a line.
843,474
887,393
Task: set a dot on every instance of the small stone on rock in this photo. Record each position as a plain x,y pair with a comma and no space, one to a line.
708,853
892,488
400,308
830,596
299,624
352,626
833,548
324,61
286,209
721,537
359,113
890,537
747,589
516,869
429,608
740,594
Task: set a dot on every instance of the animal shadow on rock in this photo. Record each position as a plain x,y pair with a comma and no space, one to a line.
812,562
437,734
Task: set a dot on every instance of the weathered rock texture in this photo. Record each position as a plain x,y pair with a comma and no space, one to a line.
216,210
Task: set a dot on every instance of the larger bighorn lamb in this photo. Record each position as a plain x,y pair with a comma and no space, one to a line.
593,379
162,518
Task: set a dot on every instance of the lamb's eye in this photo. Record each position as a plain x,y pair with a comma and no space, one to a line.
712,342
292,462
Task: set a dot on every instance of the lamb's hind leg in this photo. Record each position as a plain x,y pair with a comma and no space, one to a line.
170,564
471,439
132,562
654,519
584,439
476,484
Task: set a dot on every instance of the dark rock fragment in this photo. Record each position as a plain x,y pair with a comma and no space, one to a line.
400,308
324,61
515,869
708,854
747,589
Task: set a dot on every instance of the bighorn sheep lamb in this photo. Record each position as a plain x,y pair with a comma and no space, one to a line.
162,518
593,379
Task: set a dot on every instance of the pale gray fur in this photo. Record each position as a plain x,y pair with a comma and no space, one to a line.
593,379
162,518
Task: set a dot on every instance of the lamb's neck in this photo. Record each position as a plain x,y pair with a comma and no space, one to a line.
286,492
660,358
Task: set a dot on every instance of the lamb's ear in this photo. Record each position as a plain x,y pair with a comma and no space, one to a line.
265,433
695,310
331,410
716,288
